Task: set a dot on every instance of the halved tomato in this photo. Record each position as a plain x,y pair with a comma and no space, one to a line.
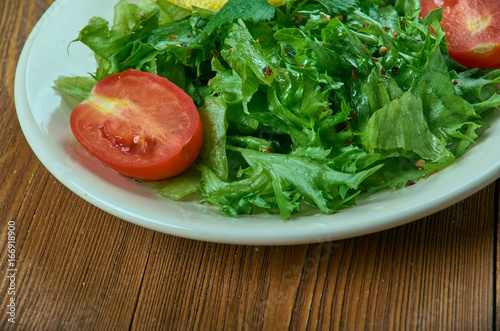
472,29
140,125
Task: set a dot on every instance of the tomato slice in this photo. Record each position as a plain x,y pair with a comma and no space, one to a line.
140,125
472,29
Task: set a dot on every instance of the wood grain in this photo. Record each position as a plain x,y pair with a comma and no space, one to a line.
79,268
496,256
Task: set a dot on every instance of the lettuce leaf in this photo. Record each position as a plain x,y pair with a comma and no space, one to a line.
312,103
213,152
400,129
286,180
255,10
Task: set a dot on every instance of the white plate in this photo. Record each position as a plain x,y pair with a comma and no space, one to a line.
44,121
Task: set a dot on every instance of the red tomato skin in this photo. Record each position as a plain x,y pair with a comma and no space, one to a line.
460,17
140,125
472,59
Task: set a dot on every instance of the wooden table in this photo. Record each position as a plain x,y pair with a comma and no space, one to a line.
79,268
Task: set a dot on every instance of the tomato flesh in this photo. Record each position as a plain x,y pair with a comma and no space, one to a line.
140,125
472,30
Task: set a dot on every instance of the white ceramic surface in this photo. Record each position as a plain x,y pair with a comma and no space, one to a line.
44,120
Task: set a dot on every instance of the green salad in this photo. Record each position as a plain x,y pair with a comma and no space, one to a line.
312,103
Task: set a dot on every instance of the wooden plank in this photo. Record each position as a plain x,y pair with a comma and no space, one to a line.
77,267
85,271
497,257
434,273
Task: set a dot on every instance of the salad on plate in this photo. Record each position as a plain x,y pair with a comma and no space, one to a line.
302,104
